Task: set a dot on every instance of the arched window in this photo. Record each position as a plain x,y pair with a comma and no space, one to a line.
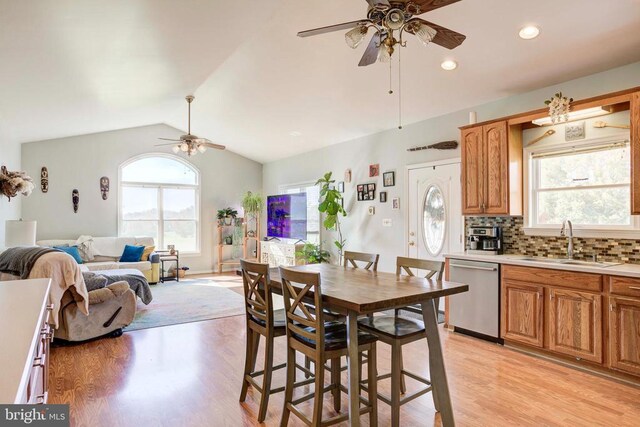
159,197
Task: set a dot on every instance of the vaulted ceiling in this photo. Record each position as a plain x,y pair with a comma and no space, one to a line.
70,68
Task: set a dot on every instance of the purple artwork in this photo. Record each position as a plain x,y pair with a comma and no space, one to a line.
287,216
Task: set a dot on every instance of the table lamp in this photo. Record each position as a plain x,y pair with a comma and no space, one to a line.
19,233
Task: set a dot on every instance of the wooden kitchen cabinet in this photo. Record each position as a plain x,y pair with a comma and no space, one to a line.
624,334
492,169
522,313
634,118
574,321
472,171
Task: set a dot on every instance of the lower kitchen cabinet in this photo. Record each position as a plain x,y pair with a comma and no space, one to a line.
522,313
574,320
624,334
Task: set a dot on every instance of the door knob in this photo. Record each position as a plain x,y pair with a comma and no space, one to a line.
412,243
412,234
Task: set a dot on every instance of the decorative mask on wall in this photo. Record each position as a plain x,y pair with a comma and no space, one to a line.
104,187
75,197
44,179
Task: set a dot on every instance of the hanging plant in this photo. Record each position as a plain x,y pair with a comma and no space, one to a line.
14,183
559,107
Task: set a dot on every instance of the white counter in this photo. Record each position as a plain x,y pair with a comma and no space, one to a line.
626,270
22,310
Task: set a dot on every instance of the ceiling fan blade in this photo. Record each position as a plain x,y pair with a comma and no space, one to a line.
371,54
374,3
429,5
164,145
331,28
169,139
216,146
444,36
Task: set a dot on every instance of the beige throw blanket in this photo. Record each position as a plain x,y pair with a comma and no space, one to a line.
65,275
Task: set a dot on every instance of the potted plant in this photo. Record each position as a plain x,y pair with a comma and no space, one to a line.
331,206
314,254
252,204
225,216
228,240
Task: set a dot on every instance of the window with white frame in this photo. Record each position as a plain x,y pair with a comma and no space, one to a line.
313,215
159,197
587,183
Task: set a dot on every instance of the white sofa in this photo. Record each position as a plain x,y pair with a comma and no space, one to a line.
107,252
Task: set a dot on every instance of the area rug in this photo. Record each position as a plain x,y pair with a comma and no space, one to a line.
187,301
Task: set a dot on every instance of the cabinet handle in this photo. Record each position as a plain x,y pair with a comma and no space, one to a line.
550,295
49,307
38,362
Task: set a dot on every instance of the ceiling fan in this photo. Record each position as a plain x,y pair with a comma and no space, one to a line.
190,144
391,19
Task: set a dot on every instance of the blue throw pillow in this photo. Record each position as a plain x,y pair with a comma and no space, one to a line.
71,250
132,253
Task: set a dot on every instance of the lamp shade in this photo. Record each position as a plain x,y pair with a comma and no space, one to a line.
20,233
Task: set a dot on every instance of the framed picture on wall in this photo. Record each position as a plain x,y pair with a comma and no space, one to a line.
341,186
374,170
383,197
389,179
366,191
395,203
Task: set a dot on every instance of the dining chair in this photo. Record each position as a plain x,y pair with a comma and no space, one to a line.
261,320
353,258
431,269
306,334
397,331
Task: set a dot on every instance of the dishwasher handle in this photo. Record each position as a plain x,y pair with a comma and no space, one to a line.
473,267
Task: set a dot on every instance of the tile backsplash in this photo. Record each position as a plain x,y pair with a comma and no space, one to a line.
516,242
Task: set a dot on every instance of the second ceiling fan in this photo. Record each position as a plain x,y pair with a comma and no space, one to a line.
391,19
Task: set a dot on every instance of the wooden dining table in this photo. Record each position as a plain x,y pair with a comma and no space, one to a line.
356,291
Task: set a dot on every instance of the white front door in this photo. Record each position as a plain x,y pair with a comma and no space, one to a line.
435,210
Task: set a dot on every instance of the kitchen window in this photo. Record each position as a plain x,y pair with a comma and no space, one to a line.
586,182
159,197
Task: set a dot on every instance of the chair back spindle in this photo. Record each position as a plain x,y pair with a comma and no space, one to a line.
301,321
258,296
353,258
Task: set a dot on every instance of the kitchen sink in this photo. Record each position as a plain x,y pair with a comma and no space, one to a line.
566,261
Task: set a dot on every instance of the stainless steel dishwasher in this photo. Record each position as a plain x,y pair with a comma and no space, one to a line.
476,312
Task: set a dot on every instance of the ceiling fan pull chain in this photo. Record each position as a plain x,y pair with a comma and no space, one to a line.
390,78
399,89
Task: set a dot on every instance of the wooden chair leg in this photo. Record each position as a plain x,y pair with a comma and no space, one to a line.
255,345
403,385
316,420
266,379
372,380
248,355
307,364
335,381
396,357
288,388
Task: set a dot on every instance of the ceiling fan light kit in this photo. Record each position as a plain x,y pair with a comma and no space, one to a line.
190,144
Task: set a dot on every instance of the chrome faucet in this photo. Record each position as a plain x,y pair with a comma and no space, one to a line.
563,233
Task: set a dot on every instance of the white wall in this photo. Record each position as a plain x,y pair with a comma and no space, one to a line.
9,157
365,233
79,162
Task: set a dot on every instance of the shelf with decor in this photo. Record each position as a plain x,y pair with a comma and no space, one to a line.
241,233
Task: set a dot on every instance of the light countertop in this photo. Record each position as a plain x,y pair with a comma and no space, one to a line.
22,310
626,270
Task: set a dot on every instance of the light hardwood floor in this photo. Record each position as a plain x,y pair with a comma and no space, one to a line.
190,375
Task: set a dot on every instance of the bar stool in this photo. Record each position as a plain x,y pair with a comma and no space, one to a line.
262,320
398,331
306,334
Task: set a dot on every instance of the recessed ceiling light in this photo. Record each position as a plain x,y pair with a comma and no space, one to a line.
295,133
449,65
529,32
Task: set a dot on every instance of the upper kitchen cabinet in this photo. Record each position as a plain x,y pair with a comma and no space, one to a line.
492,169
635,152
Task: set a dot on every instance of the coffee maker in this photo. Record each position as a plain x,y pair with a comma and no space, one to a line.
484,240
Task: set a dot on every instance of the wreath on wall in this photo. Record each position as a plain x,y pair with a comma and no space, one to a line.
14,183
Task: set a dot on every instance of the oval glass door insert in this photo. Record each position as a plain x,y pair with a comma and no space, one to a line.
434,220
